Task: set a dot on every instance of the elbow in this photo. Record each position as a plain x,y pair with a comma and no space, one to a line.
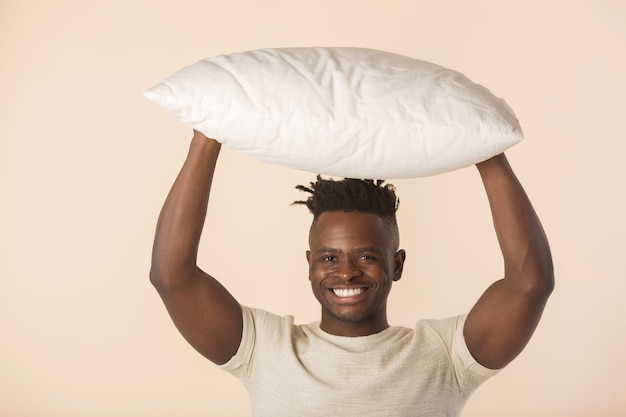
535,279
157,277
162,279
167,277
542,282
546,283
541,269
546,274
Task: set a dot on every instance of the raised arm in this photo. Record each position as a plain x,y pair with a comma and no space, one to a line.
201,308
505,317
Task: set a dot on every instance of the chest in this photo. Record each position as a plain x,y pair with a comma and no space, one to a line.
394,380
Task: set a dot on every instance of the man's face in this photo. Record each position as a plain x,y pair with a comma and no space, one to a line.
352,264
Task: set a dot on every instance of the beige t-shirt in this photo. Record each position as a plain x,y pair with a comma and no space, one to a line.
300,370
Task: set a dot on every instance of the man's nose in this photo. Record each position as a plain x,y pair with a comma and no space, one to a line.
347,270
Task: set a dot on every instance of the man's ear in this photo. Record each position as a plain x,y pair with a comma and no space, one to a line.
398,264
308,259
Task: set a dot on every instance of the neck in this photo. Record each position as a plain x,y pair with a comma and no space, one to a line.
358,328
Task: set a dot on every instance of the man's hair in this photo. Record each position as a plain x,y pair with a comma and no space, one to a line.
368,196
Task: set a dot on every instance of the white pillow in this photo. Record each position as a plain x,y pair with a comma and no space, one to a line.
348,112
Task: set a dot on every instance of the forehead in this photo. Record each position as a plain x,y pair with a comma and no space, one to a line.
352,228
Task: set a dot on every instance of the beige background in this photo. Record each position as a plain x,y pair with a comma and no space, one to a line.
86,162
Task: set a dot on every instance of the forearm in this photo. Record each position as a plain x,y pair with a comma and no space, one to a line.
524,246
182,217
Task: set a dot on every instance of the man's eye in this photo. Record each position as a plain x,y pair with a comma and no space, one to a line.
328,258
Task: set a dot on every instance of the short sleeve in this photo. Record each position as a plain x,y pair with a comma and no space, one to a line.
470,373
239,364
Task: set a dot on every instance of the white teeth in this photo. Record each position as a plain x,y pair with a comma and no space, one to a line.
347,292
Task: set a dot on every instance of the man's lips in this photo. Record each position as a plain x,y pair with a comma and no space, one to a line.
349,295
348,292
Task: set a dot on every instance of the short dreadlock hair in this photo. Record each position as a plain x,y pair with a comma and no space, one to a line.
368,196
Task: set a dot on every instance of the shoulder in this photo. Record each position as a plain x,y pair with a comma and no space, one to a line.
262,331
446,329
260,320
269,330
449,333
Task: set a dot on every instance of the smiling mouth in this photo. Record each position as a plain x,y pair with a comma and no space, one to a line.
348,292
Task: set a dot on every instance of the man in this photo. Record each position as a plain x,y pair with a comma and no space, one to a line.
352,363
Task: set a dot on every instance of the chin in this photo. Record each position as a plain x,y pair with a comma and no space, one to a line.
350,316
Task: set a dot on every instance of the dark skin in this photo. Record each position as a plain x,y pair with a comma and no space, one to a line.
353,261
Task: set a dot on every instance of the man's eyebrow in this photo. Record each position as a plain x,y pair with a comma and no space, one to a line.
327,250
367,249
357,250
